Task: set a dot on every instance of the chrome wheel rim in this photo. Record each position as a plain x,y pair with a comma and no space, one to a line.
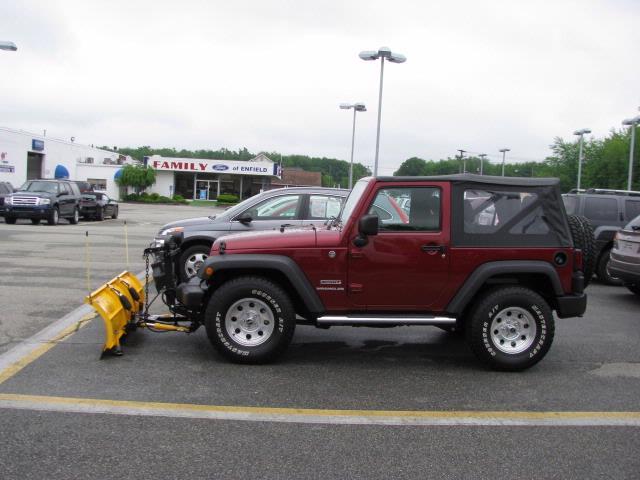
249,322
193,263
513,330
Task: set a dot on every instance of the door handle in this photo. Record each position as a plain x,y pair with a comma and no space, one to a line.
432,248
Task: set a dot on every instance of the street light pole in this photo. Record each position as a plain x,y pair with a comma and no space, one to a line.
633,123
504,154
382,53
464,162
482,155
357,107
580,158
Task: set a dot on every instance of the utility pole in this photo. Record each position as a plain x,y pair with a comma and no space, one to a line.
504,154
464,161
482,155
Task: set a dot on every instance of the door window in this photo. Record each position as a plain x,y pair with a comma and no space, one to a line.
283,206
407,209
322,207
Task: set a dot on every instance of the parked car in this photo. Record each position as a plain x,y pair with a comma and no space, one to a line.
44,200
6,189
499,283
625,256
97,205
83,186
607,211
283,207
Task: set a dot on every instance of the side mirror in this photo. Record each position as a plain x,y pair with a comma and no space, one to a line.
245,219
367,225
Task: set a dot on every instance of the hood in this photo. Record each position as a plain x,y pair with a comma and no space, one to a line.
24,193
269,240
190,222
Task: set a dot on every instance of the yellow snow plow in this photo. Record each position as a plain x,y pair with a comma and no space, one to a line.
123,302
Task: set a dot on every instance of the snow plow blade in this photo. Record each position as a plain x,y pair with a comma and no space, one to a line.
117,301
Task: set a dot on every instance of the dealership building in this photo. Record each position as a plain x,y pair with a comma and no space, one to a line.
204,179
25,156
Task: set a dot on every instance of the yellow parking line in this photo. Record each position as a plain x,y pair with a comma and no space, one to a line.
36,353
313,415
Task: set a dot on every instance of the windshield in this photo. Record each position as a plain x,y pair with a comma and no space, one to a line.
47,187
353,199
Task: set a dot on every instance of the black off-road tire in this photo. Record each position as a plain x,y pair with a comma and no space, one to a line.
189,260
54,216
510,328
76,216
263,327
10,220
582,234
603,272
35,221
635,288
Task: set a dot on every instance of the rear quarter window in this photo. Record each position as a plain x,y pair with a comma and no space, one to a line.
601,208
570,204
631,208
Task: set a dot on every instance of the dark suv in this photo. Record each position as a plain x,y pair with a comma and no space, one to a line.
492,257
607,211
44,200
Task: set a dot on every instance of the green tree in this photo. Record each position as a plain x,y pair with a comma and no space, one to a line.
137,176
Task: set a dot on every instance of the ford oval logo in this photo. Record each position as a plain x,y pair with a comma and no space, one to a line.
220,168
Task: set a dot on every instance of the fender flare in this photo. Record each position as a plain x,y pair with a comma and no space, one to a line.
476,280
280,263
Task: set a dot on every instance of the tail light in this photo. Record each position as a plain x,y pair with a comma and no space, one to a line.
578,260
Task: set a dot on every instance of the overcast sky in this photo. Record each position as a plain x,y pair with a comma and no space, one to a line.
270,75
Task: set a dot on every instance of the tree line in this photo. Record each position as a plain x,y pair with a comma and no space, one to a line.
605,164
334,172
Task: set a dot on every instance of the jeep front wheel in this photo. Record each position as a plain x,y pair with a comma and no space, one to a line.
511,328
250,320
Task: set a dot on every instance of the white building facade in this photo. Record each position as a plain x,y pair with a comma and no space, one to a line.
205,179
25,156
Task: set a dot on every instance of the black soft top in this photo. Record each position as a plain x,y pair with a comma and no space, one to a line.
484,179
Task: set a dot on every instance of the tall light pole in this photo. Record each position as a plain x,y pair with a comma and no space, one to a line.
8,46
504,155
462,159
382,53
482,155
580,159
633,123
357,107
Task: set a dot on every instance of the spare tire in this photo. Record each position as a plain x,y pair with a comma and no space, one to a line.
582,233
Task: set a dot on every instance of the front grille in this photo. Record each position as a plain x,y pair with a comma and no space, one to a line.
25,200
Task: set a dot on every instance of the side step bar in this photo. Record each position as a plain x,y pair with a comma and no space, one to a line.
375,320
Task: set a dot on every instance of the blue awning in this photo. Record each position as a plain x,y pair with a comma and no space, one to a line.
118,174
61,172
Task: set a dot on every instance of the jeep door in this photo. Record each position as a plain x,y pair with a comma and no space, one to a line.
406,265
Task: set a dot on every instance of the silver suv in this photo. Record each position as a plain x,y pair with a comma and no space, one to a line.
279,208
625,256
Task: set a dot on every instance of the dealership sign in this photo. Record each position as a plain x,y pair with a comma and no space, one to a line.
250,167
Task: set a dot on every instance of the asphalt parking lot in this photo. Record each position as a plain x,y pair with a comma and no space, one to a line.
342,403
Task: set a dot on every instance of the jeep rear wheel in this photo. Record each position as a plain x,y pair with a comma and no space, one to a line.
582,234
511,328
250,320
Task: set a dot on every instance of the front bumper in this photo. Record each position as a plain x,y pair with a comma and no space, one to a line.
35,211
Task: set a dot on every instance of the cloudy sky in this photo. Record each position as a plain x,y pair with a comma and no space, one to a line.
269,75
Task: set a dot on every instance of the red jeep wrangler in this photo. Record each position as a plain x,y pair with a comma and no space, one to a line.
489,257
